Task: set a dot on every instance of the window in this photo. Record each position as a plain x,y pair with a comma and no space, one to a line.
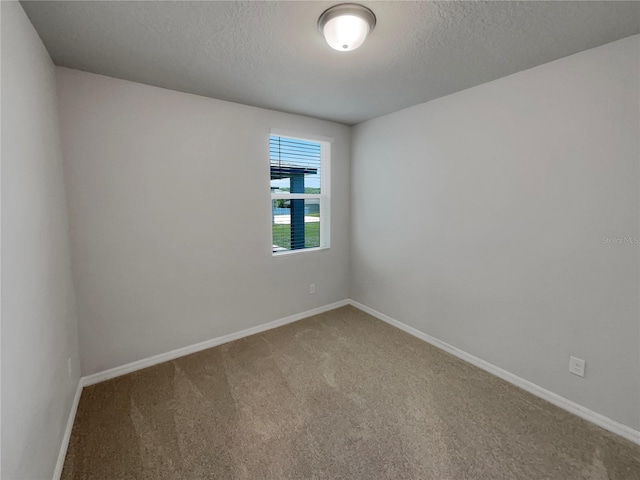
299,193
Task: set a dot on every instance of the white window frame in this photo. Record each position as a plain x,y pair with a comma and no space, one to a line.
324,196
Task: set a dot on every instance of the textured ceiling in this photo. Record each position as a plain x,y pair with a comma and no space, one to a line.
270,54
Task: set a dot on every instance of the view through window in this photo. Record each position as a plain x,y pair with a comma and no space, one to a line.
298,197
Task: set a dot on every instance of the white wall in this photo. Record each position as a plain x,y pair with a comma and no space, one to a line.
169,206
39,330
479,218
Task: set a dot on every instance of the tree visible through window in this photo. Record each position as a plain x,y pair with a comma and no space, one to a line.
299,193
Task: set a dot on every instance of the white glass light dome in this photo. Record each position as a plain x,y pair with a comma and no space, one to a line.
345,27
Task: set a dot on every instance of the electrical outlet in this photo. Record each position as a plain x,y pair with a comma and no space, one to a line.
577,366
312,288
69,368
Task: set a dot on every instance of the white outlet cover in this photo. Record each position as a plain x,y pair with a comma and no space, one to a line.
577,366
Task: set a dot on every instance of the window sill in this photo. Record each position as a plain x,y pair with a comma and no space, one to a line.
288,253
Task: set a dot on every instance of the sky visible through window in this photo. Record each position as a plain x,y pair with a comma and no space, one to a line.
288,152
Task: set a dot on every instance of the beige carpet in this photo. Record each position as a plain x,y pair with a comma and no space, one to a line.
336,396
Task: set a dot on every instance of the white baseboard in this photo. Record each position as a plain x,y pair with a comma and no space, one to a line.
572,407
67,432
181,352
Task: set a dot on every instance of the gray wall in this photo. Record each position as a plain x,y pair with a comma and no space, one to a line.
39,330
169,205
479,218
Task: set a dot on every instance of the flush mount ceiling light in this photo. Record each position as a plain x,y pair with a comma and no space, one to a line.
346,26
